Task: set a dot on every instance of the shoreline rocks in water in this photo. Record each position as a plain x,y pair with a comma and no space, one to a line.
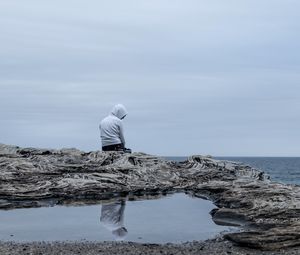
268,212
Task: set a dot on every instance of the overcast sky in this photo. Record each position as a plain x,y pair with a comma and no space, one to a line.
197,77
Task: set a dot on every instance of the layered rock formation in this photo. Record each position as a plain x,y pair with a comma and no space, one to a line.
269,213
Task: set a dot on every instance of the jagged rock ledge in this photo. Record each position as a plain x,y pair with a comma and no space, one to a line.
268,212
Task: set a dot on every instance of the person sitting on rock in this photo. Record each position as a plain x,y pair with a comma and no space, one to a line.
111,128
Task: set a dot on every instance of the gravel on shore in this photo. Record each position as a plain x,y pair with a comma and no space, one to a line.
210,247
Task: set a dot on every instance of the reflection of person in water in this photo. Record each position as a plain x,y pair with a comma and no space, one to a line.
112,218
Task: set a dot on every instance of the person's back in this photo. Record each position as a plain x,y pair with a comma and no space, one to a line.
111,128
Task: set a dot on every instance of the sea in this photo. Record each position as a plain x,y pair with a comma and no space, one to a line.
280,169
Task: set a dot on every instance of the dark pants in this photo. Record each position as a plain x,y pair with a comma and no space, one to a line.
114,147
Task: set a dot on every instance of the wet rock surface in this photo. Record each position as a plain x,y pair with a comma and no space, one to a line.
269,213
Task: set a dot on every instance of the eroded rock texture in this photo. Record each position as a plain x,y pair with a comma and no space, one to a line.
268,212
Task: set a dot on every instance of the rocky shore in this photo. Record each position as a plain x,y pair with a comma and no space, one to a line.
267,212
209,247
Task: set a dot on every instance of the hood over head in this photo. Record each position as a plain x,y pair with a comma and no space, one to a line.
119,111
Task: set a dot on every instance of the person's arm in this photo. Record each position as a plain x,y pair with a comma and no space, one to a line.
122,133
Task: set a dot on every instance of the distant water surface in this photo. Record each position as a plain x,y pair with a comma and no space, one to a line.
280,169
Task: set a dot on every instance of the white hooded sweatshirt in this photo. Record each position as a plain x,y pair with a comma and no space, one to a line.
111,127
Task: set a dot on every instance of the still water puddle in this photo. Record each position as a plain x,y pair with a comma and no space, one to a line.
174,218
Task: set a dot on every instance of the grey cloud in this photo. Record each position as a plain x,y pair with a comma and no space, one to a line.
196,76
